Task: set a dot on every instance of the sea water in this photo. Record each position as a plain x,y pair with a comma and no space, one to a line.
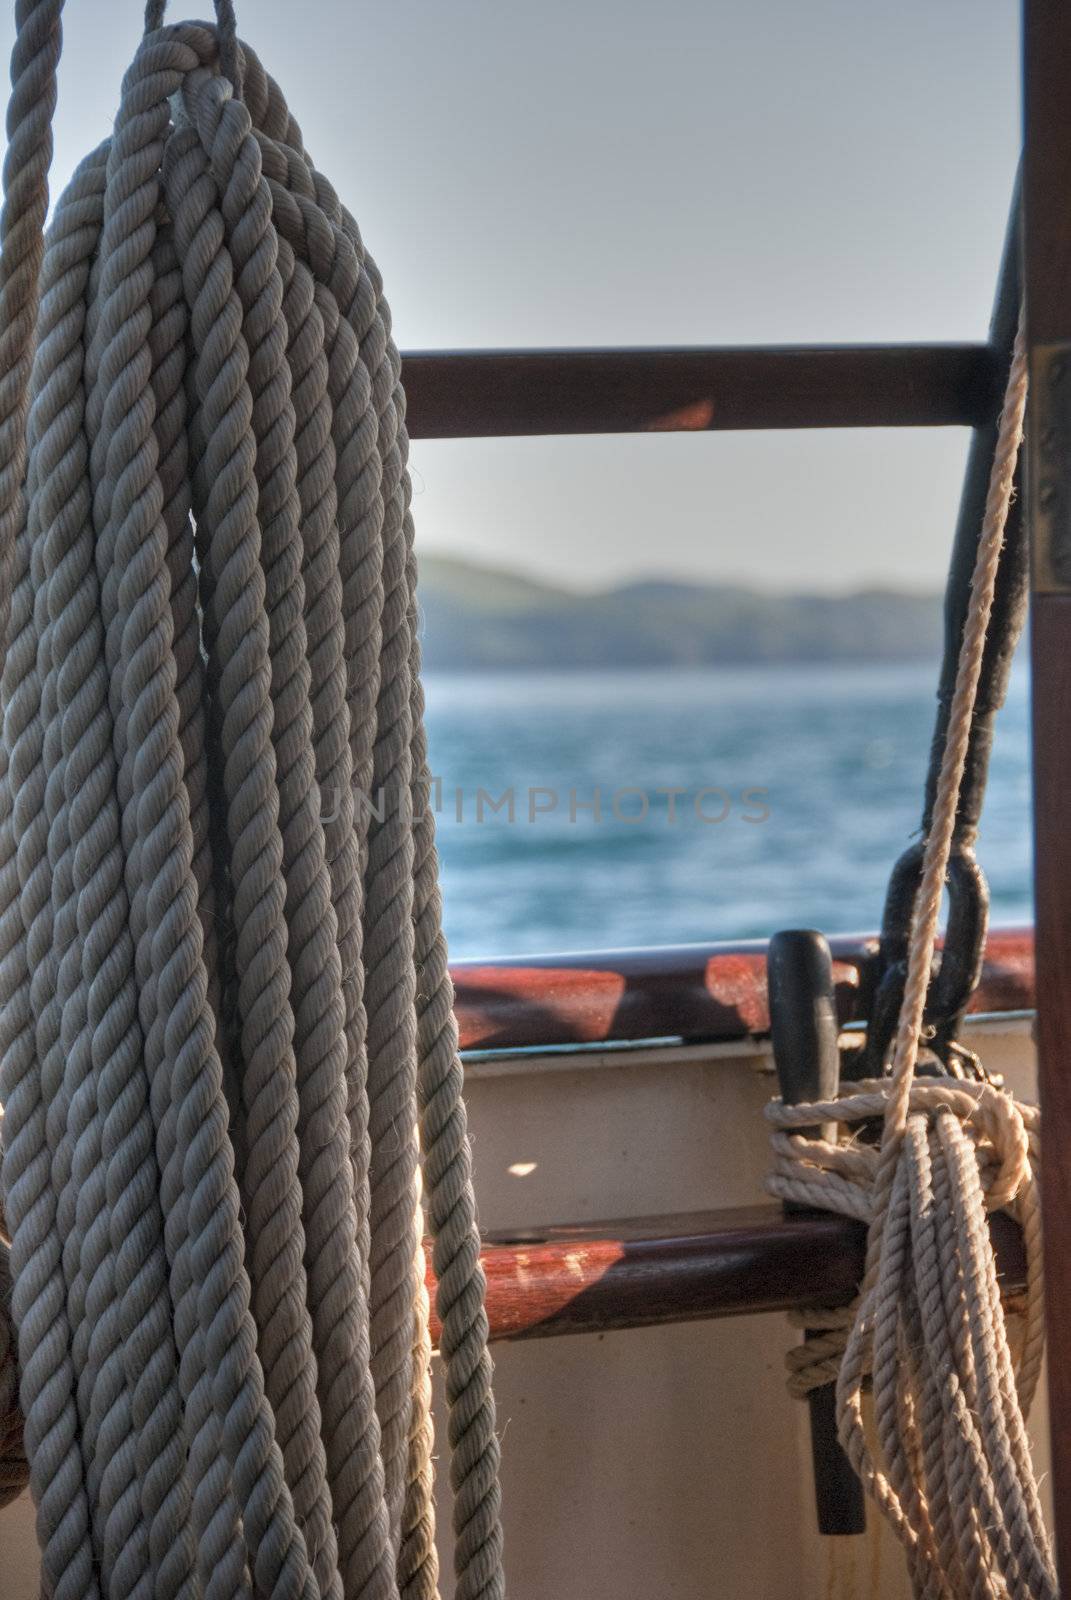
611,809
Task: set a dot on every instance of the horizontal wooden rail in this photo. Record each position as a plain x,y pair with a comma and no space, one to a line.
697,993
651,1272
683,1269
498,393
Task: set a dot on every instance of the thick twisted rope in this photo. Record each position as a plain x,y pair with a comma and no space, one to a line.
950,1464
228,1047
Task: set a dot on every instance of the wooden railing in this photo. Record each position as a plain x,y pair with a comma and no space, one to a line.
670,1269
645,1273
497,393
584,1279
693,993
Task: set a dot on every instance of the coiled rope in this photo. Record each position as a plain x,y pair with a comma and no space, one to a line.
949,1464
228,1057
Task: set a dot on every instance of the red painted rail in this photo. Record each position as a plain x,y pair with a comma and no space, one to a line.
695,993
644,1273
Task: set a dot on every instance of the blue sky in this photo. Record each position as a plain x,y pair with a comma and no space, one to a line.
672,172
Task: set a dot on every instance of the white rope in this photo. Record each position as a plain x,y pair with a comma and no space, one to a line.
228,1056
949,1464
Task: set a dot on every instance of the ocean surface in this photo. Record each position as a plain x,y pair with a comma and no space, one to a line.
603,810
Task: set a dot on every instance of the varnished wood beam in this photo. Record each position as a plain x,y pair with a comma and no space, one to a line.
645,1273
455,394
1047,273
697,993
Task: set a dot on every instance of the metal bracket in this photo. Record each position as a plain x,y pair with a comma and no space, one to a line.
1049,444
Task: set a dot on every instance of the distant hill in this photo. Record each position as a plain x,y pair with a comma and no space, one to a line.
474,616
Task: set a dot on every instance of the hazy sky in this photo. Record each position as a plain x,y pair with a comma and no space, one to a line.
645,172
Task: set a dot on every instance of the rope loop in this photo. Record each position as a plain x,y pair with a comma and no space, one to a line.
1004,1133
230,51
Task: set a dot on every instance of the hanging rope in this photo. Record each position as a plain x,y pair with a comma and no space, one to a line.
229,1058
949,1465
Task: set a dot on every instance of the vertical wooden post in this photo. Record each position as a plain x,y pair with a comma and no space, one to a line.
1047,278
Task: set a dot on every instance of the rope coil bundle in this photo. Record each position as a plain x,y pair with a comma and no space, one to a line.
228,1058
949,1462
1000,1135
